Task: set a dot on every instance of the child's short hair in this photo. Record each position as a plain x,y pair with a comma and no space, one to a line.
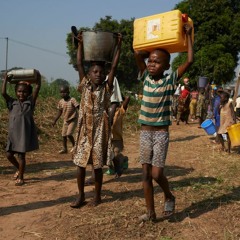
165,51
225,94
65,87
97,63
26,84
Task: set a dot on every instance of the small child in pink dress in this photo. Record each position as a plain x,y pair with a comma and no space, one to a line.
227,118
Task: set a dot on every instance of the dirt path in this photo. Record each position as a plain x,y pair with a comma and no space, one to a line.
206,184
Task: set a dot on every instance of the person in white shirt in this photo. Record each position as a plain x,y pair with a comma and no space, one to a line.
237,107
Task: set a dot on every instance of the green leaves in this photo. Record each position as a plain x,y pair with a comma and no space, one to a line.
217,41
127,70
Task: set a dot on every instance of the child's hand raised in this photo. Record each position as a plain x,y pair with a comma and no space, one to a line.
8,77
187,29
80,37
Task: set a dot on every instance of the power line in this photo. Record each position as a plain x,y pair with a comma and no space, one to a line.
36,47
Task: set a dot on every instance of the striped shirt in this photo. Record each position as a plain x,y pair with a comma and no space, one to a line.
68,108
157,99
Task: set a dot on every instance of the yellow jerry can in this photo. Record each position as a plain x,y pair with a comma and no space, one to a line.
164,30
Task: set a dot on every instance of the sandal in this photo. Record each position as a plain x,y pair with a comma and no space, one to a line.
19,182
78,203
148,217
15,176
62,151
169,207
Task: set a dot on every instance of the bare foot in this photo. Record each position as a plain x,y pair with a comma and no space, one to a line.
78,203
95,202
223,149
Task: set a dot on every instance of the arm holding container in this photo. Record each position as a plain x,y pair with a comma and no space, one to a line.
7,78
183,68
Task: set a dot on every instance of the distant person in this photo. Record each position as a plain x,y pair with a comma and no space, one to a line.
175,102
68,108
202,106
22,131
183,110
238,107
185,83
208,100
227,119
93,139
155,118
193,103
216,109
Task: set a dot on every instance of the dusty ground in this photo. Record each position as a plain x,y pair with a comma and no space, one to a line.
206,184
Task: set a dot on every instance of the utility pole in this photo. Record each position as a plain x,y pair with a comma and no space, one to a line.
6,54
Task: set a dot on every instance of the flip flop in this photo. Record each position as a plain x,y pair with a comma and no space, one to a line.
15,176
19,182
148,218
62,151
169,207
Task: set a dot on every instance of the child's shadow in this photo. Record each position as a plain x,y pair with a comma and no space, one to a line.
207,205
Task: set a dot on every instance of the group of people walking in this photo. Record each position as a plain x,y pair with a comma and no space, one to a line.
93,143
198,104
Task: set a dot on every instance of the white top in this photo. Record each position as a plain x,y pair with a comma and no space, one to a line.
238,102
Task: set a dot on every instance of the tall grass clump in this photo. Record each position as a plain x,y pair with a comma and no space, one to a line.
46,110
53,90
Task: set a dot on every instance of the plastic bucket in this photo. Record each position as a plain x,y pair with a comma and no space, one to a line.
99,45
234,134
209,127
202,82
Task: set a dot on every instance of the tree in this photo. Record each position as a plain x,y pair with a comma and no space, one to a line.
59,82
127,70
217,41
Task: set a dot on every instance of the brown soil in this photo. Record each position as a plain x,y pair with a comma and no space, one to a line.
205,182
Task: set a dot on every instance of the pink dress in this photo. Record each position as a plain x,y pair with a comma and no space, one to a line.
226,118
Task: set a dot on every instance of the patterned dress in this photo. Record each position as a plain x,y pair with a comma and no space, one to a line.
93,139
201,106
183,106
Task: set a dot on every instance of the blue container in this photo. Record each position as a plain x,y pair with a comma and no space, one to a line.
209,127
202,82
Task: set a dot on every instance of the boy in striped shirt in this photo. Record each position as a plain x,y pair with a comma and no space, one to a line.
68,108
155,118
